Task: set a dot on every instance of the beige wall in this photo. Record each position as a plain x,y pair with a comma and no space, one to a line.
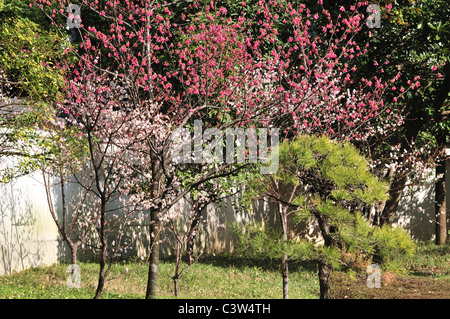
416,211
28,235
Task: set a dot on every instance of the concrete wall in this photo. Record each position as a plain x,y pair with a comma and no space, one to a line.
416,211
28,234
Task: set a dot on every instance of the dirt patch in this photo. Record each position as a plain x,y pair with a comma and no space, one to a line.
392,287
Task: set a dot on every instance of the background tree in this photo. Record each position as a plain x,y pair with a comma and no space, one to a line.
413,42
30,82
65,157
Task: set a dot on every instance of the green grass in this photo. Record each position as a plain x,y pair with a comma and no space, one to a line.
224,276
429,261
213,277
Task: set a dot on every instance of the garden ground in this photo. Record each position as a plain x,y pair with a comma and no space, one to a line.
225,276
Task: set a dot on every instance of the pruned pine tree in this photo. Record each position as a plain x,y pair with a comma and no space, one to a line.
330,182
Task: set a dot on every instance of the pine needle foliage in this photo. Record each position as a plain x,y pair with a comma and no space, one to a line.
333,184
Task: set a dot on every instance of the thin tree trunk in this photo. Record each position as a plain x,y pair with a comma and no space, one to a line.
155,224
73,247
73,254
152,281
325,230
285,274
176,276
440,191
192,232
284,259
101,281
324,268
102,233
440,202
324,280
175,286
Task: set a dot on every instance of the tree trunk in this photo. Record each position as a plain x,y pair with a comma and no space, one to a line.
73,254
440,202
325,230
324,268
395,195
152,281
284,259
440,191
175,286
324,280
101,281
155,225
192,232
102,233
285,275
176,276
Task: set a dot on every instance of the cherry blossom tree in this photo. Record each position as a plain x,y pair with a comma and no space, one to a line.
94,106
64,158
131,107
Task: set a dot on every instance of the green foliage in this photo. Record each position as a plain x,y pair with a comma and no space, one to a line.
256,240
413,40
340,164
28,56
332,183
391,242
359,237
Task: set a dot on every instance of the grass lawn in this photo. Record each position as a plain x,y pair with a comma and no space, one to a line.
220,277
224,276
